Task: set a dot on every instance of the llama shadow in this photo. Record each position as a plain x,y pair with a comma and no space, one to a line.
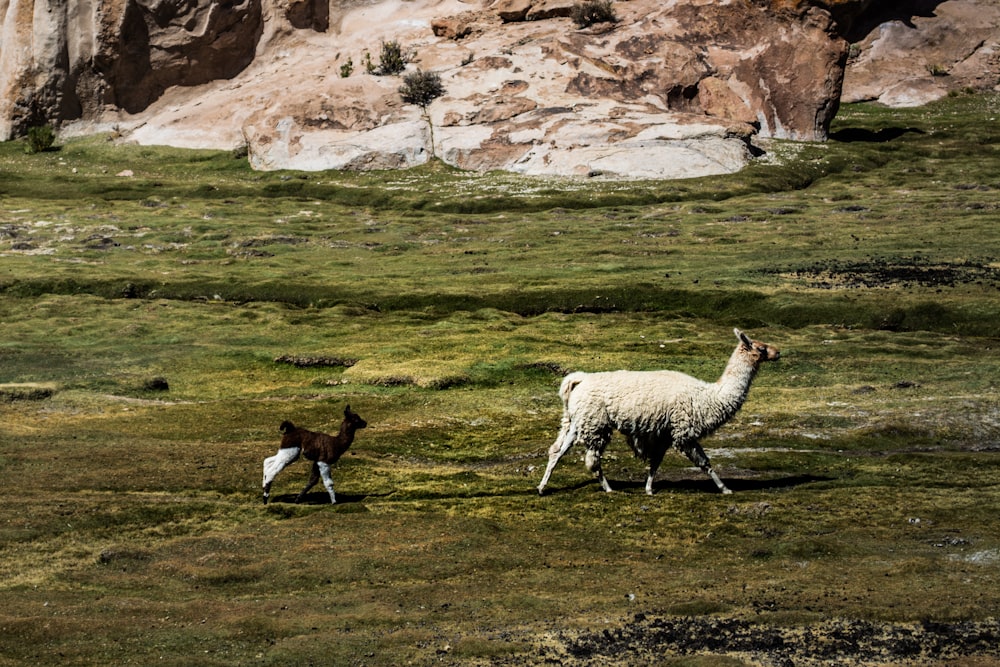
708,486
664,485
323,498
852,135
526,491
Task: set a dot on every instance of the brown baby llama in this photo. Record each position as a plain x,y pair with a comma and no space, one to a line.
322,449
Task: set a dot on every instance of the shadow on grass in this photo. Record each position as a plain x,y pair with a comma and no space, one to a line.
701,486
530,490
856,134
323,498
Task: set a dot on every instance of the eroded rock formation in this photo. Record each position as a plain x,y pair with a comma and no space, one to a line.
671,89
66,59
920,56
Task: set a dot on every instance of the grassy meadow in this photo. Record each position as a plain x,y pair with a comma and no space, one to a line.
155,328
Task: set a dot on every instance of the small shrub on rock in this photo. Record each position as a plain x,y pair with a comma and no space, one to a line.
421,88
589,12
391,59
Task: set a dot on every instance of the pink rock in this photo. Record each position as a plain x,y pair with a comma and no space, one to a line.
673,89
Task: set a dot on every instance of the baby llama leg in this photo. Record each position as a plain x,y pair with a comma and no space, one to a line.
313,478
324,471
275,464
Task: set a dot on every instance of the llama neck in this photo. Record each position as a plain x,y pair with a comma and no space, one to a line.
346,433
732,388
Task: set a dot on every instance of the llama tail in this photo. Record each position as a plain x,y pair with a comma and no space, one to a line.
569,383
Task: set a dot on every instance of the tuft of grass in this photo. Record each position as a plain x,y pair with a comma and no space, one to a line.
26,391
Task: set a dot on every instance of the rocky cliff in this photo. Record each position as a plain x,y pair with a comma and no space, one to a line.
919,56
670,89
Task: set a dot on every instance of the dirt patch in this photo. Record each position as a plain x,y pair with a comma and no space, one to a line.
885,272
647,640
315,362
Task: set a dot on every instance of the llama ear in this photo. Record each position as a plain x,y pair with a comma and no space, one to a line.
743,339
347,410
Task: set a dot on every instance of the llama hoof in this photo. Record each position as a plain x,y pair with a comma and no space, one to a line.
726,491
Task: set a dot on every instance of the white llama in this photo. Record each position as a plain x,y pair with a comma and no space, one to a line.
654,410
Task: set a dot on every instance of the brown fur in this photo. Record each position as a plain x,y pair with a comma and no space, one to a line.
318,446
322,449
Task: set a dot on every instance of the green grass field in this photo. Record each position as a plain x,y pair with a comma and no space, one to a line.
151,326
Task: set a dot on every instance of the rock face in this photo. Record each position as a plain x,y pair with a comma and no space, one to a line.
667,92
912,59
671,89
67,59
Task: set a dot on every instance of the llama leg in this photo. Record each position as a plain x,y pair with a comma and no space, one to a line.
313,478
275,464
593,462
324,471
562,444
655,459
700,459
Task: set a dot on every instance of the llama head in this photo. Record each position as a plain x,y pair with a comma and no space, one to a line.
761,351
353,419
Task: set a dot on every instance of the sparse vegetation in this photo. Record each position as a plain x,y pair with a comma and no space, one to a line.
588,12
391,59
346,68
158,329
40,138
936,69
